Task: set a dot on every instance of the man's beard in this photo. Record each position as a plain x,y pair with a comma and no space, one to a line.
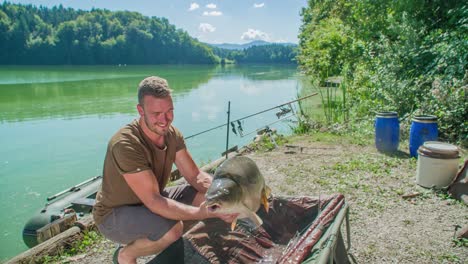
155,128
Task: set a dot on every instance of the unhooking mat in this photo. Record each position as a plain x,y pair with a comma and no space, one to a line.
290,228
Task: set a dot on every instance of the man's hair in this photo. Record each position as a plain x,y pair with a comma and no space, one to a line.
154,86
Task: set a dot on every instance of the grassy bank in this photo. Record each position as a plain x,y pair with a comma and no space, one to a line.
393,220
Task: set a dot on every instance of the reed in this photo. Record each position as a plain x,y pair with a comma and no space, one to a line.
334,99
303,125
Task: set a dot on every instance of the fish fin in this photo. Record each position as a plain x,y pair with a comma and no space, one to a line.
266,191
256,219
233,224
252,216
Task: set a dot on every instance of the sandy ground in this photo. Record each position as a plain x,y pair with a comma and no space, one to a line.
385,226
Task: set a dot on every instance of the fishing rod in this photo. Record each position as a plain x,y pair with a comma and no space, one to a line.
245,117
267,126
278,106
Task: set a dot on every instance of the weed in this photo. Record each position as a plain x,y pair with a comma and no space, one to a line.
449,257
460,242
407,222
269,142
89,238
444,195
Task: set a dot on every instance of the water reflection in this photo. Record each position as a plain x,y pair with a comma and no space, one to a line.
51,92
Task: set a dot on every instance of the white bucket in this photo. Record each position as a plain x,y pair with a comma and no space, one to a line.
437,164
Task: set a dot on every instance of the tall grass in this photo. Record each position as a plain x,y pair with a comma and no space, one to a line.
334,98
303,125
332,101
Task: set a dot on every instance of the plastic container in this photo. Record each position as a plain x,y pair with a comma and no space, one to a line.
387,131
423,128
437,164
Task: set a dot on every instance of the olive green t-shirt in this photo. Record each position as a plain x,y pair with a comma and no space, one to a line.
130,151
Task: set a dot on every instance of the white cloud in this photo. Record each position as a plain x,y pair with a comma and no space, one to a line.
250,89
195,116
211,111
254,34
194,6
205,27
258,5
212,13
211,6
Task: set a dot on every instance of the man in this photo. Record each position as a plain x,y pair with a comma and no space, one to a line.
132,207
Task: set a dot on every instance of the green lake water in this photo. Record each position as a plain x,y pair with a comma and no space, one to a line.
55,122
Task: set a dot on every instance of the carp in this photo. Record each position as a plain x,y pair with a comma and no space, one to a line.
238,187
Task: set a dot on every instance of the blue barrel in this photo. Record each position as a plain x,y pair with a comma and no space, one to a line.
387,131
423,128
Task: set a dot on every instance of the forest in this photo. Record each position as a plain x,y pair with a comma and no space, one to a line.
272,53
31,35
395,55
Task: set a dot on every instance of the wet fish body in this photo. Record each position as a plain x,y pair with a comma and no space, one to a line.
238,187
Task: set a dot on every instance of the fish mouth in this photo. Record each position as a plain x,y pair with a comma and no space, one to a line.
213,207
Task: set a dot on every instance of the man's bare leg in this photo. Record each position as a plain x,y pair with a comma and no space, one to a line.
145,247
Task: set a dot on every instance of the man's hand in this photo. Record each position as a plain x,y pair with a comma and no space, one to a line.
228,218
204,179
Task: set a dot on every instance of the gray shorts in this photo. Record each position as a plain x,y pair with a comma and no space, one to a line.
126,224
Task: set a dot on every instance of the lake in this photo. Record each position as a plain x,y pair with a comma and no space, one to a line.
55,122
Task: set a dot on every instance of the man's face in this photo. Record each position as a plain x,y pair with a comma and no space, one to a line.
158,113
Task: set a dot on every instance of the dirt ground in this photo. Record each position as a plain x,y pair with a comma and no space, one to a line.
386,227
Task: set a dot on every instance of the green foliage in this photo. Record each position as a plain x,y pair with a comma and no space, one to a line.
460,242
32,35
303,125
78,247
268,142
406,56
325,48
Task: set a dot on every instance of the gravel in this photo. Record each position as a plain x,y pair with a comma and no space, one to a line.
385,226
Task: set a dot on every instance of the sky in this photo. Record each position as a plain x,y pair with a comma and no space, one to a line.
211,21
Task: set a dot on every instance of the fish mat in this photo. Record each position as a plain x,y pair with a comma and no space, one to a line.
284,226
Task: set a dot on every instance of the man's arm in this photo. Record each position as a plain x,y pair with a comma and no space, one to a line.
146,187
200,180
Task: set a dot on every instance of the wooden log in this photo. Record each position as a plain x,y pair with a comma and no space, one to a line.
48,248
86,223
56,227
235,148
410,195
213,165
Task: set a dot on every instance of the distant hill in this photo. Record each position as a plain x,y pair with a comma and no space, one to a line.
31,35
230,46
